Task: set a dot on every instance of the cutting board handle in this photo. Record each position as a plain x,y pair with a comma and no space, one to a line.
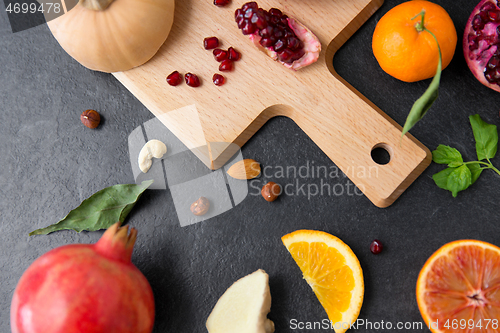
350,134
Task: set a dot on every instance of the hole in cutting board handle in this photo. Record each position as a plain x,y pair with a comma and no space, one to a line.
381,153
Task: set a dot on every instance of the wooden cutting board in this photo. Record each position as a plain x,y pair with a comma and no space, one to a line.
215,121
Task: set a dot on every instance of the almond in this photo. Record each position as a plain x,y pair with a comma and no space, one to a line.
245,169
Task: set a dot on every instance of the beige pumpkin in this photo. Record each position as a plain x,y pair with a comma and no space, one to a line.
114,35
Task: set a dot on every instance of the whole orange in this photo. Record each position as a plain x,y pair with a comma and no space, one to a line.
409,54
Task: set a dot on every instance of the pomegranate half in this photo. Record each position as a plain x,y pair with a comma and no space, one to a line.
283,38
481,43
85,288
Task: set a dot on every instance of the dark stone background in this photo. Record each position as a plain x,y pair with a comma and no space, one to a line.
49,163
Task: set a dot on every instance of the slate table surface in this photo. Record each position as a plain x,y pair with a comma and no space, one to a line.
50,162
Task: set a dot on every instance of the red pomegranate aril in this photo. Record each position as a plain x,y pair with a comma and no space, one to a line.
248,28
192,80
226,66
258,20
233,54
210,43
294,43
376,247
285,55
280,45
174,79
250,5
267,42
238,14
218,79
221,3
275,12
266,32
241,22
220,55
493,15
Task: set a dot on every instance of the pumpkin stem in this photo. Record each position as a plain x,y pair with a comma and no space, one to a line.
96,4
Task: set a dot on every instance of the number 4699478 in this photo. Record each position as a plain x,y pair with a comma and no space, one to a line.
24,8
471,324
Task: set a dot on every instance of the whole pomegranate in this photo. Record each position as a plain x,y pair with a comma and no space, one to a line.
482,43
83,288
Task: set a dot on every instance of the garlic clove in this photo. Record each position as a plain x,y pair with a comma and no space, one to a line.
243,308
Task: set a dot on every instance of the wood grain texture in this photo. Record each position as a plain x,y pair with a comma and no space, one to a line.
342,122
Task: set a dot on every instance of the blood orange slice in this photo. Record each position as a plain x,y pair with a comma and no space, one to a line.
458,289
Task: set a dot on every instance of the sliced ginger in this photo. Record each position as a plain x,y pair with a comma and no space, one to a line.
243,308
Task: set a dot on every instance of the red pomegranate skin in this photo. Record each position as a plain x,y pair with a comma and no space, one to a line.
84,288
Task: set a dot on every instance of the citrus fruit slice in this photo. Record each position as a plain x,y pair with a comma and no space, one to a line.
458,289
332,270
243,308
405,51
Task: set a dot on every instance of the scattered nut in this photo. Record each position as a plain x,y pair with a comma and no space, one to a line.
244,169
271,191
153,148
90,118
200,206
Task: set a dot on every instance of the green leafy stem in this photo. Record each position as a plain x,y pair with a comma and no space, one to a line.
460,175
424,103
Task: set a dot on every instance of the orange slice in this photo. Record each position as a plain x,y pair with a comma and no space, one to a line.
332,270
458,289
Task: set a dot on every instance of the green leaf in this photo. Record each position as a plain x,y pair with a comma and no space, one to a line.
441,178
423,104
447,155
486,136
475,170
101,210
459,179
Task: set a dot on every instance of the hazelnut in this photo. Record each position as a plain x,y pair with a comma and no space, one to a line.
200,206
90,118
271,191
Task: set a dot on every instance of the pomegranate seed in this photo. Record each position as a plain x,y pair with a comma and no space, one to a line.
266,32
174,78
210,43
238,14
220,55
226,66
221,3
267,42
294,43
248,28
376,247
250,5
275,12
218,79
233,54
280,45
259,20
192,80
493,15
